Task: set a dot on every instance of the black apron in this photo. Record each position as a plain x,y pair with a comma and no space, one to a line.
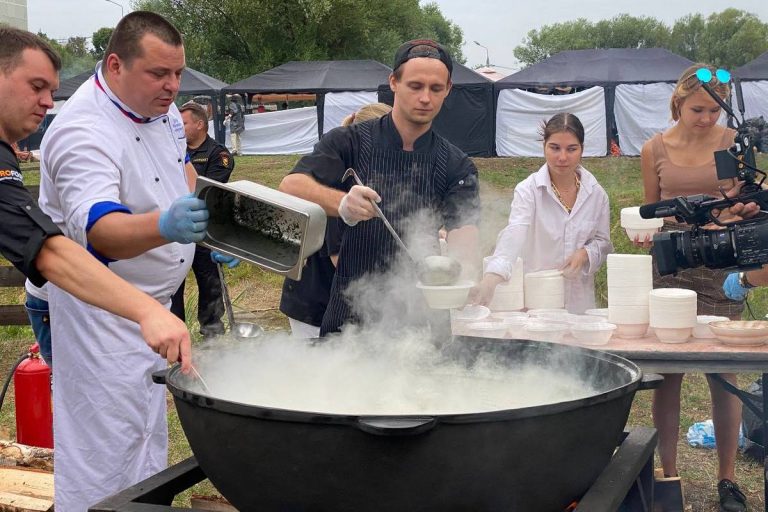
407,182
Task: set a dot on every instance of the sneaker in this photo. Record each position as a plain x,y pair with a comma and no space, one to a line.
731,498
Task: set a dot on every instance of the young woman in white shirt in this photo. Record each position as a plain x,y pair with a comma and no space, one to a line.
559,219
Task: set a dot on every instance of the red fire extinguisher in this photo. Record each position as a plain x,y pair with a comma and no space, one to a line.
32,385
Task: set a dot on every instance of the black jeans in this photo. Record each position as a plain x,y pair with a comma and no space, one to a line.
210,306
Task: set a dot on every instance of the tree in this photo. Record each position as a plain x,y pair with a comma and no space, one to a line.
99,41
732,38
728,39
233,39
75,57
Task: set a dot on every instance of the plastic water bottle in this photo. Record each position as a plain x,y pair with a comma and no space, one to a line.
702,435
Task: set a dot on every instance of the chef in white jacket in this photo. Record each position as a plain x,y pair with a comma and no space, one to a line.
559,219
114,178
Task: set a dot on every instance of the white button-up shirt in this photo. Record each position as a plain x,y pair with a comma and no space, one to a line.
544,234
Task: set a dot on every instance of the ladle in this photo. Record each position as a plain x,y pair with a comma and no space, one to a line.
237,329
432,270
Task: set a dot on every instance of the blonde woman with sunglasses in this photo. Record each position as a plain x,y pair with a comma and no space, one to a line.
680,162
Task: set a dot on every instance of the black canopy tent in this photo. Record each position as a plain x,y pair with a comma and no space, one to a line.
315,77
754,70
193,83
607,67
467,116
752,87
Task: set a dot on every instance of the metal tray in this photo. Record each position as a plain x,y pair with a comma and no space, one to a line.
266,227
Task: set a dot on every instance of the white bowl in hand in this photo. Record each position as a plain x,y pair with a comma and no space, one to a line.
446,297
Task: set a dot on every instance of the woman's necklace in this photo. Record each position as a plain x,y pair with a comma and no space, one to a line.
560,197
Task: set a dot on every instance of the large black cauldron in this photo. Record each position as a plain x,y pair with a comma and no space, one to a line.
531,459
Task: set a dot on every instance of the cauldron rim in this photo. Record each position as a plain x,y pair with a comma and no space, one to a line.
635,375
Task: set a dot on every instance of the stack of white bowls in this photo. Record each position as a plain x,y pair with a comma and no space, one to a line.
509,296
630,279
544,289
672,314
638,227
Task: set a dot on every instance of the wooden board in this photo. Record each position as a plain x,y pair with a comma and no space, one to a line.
9,276
13,315
212,503
17,503
25,490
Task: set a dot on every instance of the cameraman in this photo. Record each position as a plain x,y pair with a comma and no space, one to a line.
680,162
738,284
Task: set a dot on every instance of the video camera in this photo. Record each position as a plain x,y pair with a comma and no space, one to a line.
739,244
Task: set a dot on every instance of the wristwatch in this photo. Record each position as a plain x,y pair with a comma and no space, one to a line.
743,281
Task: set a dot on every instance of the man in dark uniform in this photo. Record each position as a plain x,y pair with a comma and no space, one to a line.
401,158
213,161
28,238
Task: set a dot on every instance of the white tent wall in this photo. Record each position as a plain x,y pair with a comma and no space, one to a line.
339,105
285,132
641,110
755,96
519,116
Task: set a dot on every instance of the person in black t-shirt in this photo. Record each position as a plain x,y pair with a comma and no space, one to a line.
28,238
304,302
213,161
400,157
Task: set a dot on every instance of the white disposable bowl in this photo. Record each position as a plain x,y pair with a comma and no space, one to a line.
628,314
631,331
488,329
628,295
504,315
471,313
546,311
596,333
641,234
446,297
702,330
630,217
601,312
670,295
546,331
630,261
673,335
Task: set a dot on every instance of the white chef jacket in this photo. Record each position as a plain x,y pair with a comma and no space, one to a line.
544,234
110,428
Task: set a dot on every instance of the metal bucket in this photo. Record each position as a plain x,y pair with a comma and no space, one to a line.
266,227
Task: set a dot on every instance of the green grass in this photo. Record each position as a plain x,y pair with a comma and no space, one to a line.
257,292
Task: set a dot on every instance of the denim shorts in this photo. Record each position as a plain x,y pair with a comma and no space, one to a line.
37,310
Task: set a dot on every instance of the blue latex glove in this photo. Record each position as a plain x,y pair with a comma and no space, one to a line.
185,221
733,290
224,259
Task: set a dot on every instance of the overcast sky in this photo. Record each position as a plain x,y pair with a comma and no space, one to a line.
499,25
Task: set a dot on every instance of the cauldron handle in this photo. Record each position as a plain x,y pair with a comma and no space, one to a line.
650,381
387,426
159,376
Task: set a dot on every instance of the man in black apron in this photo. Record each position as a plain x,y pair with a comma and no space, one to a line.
399,158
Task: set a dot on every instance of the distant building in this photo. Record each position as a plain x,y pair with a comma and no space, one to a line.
14,13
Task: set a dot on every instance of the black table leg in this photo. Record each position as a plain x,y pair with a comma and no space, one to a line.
749,400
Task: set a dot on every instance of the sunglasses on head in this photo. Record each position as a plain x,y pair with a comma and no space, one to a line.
704,75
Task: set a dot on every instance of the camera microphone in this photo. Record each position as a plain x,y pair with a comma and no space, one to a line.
665,208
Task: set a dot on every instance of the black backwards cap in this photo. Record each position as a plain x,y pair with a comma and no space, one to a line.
422,48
